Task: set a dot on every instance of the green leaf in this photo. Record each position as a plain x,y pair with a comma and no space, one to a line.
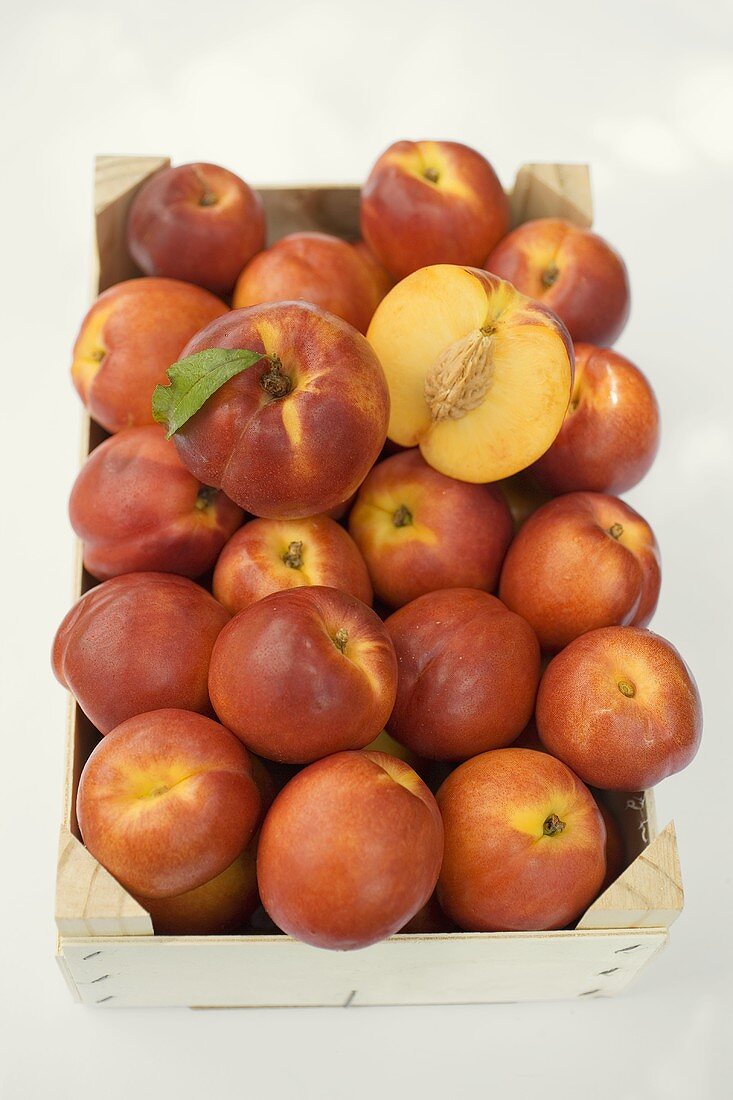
194,379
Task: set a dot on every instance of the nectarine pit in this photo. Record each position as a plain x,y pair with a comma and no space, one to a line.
293,556
552,825
461,375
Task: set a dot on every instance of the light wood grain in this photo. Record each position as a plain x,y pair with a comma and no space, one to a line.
648,894
89,902
429,969
552,191
116,182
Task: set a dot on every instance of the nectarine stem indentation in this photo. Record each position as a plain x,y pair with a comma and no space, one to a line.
402,517
293,556
340,639
431,174
553,825
627,688
205,497
460,377
616,531
208,199
550,274
274,382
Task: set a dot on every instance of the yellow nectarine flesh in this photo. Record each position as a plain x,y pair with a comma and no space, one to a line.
479,375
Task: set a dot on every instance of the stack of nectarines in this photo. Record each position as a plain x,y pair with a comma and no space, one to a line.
428,418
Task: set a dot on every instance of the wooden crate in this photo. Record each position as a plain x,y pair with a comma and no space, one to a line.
106,947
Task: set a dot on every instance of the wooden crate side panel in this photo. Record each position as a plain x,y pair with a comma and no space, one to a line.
552,191
116,181
408,970
89,901
648,894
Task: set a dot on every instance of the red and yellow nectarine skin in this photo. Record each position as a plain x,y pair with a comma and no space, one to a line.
297,433
314,267
621,708
468,674
269,555
197,222
479,375
582,561
432,202
573,271
350,850
420,531
127,341
222,905
137,508
303,673
524,843
167,801
137,643
610,434
381,280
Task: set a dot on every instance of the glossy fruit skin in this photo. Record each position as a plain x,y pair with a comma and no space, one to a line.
302,453
127,341
267,556
620,706
567,573
312,267
588,281
167,801
137,508
220,906
610,435
137,643
468,674
303,673
197,222
350,850
420,531
500,871
409,221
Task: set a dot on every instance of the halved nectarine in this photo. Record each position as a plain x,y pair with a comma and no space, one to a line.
479,375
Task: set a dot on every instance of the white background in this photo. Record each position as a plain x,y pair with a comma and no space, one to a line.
289,92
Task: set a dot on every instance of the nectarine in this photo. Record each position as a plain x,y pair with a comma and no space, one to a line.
621,708
127,341
479,376
136,508
303,673
524,843
271,554
420,531
197,222
167,801
574,272
350,850
610,434
583,560
296,433
136,643
432,202
468,674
